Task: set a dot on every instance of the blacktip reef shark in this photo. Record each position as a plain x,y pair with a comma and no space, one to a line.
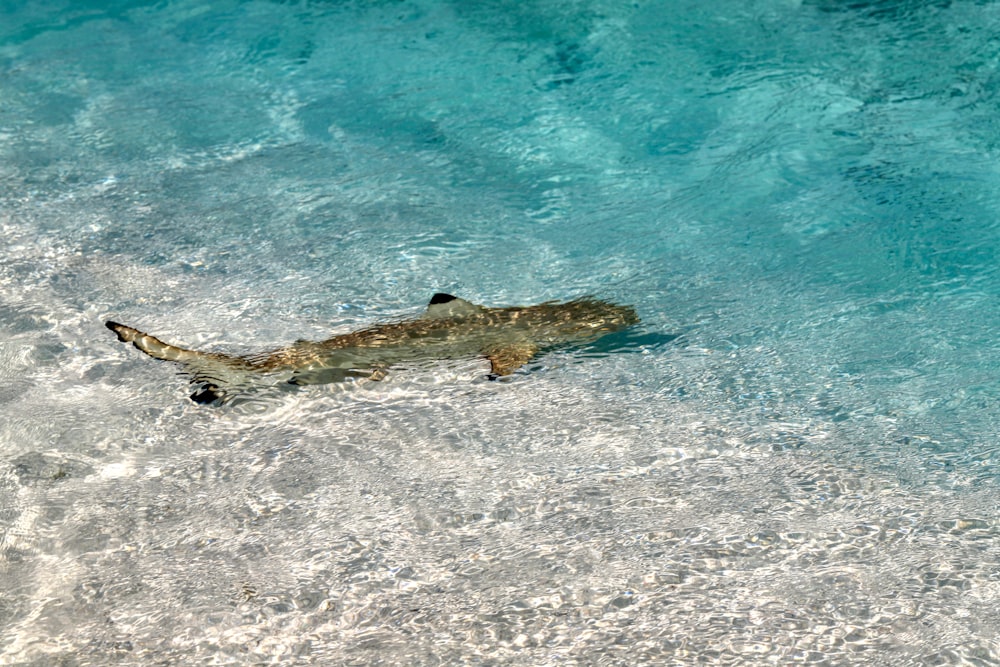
450,328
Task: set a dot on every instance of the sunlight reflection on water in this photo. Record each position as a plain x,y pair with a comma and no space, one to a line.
790,460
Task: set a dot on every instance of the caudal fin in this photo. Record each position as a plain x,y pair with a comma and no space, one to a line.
153,346
210,370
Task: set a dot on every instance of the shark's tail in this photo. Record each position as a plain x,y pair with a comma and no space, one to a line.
153,346
210,370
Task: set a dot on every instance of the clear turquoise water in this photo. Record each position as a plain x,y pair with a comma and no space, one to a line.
806,192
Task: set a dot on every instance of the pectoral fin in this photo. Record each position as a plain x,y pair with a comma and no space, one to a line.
505,360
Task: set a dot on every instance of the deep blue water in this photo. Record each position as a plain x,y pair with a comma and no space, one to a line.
791,459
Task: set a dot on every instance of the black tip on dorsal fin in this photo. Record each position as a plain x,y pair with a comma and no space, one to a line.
441,297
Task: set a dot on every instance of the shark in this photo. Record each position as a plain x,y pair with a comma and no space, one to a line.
449,328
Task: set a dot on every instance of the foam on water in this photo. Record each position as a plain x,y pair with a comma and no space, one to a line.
790,460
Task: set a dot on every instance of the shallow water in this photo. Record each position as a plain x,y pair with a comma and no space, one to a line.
789,460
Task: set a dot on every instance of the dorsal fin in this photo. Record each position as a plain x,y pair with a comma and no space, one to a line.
441,297
445,305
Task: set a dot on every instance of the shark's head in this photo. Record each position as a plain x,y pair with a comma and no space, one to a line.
583,318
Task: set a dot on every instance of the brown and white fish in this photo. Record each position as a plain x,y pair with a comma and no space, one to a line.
450,328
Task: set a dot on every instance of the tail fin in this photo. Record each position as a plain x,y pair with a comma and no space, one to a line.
153,346
210,370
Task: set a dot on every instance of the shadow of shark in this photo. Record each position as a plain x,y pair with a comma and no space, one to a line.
450,328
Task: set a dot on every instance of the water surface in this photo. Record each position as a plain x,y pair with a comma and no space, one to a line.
791,460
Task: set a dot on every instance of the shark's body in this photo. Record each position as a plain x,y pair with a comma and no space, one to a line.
450,328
